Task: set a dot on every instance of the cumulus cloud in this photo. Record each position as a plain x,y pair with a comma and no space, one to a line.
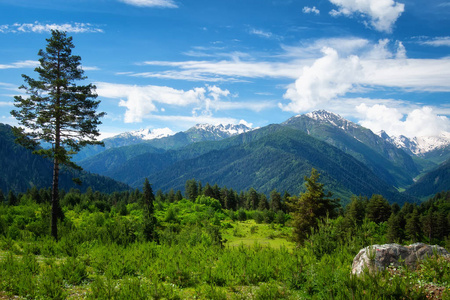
330,76
309,10
142,101
37,27
417,122
151,3
384,64
382,14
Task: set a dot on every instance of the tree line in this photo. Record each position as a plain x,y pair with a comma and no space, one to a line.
427,222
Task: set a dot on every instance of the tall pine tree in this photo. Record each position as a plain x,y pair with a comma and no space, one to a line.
57,110
149,212
312,206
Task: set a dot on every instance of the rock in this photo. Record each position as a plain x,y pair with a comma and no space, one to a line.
379,257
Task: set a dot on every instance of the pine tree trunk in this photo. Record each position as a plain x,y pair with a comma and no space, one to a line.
55,199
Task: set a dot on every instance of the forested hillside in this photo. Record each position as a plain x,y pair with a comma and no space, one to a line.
388,162
271,157
435,181
22,170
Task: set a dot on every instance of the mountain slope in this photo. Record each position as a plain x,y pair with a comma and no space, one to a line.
165,138
387,161
433,182
22,170
273,157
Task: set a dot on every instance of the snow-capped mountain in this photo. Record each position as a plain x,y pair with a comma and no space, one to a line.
215,132
147,134
418,145
331,118
165,138
382,157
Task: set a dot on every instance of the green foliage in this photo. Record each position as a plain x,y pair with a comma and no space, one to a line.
104,255
149,221
311,207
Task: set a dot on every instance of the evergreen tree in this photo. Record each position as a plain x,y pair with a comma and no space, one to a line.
149,212
12,199
252,199
216,191
208,191
428,222
312,206
57,111
442,228
230,200
394,229
263,203
275,201
378,209
171,196
356,210
284,204
191,189
178,196
2,197
412,227
160,196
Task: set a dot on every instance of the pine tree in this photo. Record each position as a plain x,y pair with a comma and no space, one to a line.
412,227
263,203
149,212
57,110
12,199
208,191
394,229
275,201
356,210
312,206
191,189
378,209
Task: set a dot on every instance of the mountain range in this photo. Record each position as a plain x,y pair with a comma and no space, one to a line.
218,154
351,159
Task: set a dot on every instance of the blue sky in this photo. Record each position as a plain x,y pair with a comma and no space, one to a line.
175,63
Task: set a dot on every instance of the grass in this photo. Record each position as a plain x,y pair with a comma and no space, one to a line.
249,233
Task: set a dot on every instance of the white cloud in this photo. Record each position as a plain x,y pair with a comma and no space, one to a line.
37,27
141,101
189,121
437,41
330,76
21,64
311,49
261,33
6,103
90,68
381,13
151,3
417,122
224,70
309,10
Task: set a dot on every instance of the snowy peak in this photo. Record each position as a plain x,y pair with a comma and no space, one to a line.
147,134
331,118
418,145
221,130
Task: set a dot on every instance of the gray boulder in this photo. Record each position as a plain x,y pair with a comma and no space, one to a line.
379,257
